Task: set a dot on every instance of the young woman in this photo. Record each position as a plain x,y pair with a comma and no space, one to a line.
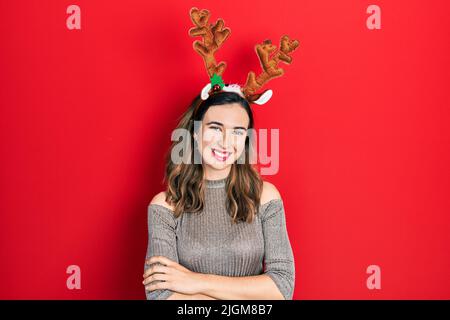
217,222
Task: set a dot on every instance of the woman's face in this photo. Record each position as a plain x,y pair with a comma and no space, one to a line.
222,134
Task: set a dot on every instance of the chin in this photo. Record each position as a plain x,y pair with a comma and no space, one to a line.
219,166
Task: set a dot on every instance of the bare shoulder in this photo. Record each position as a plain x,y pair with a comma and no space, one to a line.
269,192
160,199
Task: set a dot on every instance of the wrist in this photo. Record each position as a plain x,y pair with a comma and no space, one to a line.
203,281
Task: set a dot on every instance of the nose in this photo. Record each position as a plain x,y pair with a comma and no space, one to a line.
227,140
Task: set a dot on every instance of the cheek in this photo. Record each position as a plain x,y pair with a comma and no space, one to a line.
239,145
210,137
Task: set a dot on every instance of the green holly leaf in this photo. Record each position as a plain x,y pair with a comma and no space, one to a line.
216,79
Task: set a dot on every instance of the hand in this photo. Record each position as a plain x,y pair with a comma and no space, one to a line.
175,276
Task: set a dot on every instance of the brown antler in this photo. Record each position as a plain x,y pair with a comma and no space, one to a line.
213,38
269,64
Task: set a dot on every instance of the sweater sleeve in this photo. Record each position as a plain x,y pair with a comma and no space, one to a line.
161,242
278,255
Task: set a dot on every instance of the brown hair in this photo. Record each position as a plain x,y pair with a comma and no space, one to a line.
185,181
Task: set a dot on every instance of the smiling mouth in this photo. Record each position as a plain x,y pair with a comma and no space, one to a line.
221,156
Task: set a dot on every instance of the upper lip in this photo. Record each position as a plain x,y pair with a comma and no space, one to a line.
221,151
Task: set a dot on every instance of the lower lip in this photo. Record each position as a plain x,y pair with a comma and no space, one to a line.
220,158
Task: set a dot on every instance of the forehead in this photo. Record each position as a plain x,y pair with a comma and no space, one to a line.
231,115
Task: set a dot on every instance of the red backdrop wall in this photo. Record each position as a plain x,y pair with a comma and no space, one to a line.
86,117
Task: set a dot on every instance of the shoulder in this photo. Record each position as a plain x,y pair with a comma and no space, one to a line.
269,192
160,199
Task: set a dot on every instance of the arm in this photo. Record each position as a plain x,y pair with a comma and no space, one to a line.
162,241
181,296
260,287
278,279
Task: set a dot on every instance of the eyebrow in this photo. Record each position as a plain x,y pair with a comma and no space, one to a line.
220,124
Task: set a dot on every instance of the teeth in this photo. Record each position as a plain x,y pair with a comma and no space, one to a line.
220,154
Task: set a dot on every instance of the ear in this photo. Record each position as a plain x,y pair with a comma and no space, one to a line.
263,98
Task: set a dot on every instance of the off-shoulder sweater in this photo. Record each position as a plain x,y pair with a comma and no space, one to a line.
208,241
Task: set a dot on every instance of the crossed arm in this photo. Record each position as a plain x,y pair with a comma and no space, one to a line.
259,287
186,285
178,283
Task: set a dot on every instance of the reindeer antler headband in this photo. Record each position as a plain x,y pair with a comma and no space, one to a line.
213,38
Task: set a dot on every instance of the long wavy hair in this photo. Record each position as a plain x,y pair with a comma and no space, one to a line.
185,181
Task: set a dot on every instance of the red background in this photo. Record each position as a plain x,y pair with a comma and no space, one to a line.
86,117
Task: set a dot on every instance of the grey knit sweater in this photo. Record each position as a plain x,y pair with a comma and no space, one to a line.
208,242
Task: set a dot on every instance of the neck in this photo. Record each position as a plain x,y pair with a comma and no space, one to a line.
214,174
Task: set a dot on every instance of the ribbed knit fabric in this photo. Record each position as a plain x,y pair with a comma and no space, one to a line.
208,242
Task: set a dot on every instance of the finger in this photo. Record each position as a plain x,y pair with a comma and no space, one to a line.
156,276
161,259
158,286
155,268
154,259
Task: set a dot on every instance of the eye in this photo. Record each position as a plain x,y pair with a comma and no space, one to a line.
238,132
215,128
